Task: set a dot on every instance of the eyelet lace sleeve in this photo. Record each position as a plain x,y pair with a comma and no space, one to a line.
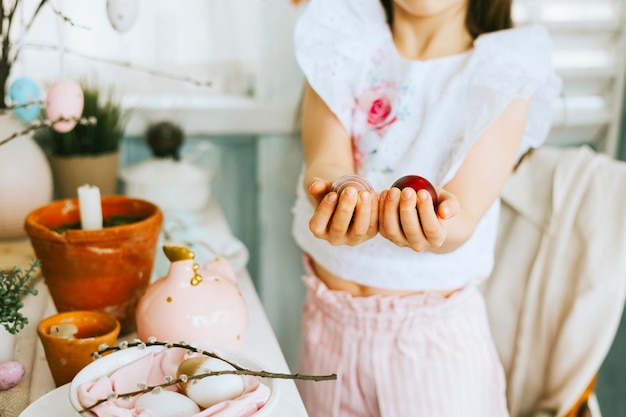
332,38
508,65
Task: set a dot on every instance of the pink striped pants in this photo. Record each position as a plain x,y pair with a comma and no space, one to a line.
422,355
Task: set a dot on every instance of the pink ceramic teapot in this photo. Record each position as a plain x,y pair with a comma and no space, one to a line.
193,304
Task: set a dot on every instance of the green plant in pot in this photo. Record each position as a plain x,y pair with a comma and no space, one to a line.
89,153
15,284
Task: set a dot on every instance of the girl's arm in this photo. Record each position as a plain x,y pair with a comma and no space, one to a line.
347,219
466,198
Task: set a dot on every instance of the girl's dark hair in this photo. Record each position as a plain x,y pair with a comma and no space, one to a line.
483,16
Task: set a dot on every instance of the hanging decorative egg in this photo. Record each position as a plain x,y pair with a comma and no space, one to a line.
65,100
122,13
25,94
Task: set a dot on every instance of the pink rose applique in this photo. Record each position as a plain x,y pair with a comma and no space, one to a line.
373,115
377,106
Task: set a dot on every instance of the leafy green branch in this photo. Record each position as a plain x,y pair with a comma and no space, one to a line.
16,283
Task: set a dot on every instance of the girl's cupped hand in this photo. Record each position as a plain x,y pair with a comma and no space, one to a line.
409,219
346,219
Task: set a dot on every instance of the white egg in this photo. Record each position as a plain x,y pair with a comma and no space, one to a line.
210,390
122,13
168,404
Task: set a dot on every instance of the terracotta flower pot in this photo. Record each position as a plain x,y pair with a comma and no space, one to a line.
107,269
67,355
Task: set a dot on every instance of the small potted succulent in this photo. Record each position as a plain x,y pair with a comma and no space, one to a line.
15,284
89,153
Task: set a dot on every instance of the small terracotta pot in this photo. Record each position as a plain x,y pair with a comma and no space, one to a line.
107,269
66,357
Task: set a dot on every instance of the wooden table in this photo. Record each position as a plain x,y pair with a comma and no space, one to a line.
45,399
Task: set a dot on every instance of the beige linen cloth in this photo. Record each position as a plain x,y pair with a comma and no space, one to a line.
557,292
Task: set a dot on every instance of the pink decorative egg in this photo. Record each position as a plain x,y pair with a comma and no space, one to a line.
65,100
351,180
11,373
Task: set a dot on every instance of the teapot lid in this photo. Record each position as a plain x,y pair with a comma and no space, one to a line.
178,253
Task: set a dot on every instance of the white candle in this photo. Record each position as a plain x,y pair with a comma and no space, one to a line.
90,207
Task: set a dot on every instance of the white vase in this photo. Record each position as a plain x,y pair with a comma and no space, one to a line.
7,345
25,178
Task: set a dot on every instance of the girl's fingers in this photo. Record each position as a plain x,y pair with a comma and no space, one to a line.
318,188
411,221
382,198
448,206
362,219
390,220
348,218
431,226
342,217
373,226
323,214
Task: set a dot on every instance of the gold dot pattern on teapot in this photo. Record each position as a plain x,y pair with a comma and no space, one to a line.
196,279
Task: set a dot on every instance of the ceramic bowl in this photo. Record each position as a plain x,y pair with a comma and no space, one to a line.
113,361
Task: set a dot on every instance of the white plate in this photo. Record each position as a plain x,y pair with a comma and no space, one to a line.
56,403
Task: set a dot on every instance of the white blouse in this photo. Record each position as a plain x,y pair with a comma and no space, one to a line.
415,117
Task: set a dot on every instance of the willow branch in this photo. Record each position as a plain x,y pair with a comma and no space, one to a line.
1,18
126,64
11,15
12,107
263,374
239,370
66,19
57,12
26,28
35,13
47,123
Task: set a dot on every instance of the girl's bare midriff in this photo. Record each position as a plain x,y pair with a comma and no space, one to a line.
335,282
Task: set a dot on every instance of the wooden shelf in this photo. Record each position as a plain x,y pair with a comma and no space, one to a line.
212,114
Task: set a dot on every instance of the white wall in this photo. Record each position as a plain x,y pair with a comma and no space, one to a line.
193,38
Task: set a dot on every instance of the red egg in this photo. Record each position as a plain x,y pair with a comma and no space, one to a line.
351,180
417,183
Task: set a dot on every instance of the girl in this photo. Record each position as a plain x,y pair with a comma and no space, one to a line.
445,89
